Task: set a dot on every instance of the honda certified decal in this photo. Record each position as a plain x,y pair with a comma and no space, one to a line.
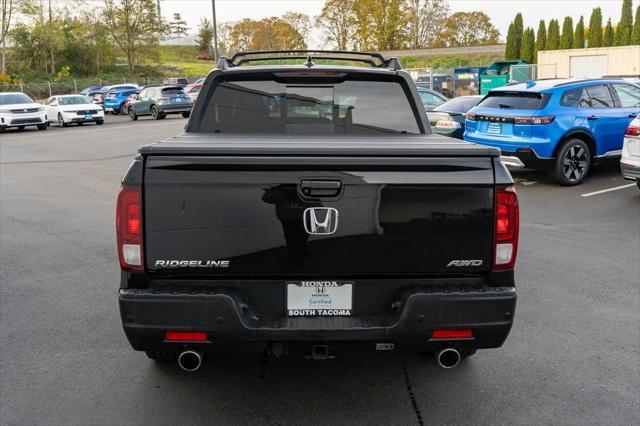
192,263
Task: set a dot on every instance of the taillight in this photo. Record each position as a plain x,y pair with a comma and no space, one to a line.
448,124
471,116
129,228
534,120
632,131
507,227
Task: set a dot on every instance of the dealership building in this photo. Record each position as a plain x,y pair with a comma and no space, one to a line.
589,63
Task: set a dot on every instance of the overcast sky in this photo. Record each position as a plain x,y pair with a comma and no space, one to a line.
501,12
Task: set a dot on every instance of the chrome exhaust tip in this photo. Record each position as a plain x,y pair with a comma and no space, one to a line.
190,360
448,358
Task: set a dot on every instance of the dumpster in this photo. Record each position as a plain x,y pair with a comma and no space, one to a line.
497,74
466,81
442,83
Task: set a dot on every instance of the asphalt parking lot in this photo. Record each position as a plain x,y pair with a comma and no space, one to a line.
573,356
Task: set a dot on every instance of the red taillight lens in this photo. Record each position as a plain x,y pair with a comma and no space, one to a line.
452,334
185,336
506,228
471,116
632,131
534,120
129,228
133,218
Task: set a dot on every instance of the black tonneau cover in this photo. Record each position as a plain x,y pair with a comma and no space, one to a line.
339,145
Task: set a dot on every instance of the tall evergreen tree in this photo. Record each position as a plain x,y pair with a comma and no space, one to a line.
625,26
519,32
607,38
578,36
510,49
635,34
541,36
553,35
595,28
527,50
566,40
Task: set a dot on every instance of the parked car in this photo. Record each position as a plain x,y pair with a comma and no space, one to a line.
19,110
192,90
176,81
98,97
115,100
158,101
431,98
448,118
68,109
91,89
559,125
315,208
630,161
198,82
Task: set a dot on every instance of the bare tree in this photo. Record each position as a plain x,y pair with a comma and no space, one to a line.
427,18
7,11
337,19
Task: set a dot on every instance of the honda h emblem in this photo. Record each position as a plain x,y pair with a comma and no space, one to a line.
320,220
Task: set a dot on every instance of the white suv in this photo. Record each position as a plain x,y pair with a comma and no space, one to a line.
630,161
19,110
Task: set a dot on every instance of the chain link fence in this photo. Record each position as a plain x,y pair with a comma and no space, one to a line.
441,80
46,89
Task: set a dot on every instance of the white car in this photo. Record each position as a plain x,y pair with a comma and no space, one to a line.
67,109
19,110
630,161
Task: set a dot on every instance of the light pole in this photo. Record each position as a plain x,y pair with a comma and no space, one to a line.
215,32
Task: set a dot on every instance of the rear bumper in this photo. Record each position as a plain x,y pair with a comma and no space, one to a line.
630,171
231,325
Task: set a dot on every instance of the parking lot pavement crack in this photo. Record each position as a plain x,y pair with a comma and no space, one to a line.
412,396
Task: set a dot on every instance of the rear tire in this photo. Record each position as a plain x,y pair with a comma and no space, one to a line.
43,126
637,182
572,163
162,356
155,113
123,109
132,114
100,122
186,114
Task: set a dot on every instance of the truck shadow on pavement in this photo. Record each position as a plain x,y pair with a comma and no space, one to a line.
358,386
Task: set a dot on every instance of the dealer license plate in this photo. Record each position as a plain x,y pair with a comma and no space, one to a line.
494,128
319,298
88,117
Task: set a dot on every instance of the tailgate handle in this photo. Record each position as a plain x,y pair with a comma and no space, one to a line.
320,188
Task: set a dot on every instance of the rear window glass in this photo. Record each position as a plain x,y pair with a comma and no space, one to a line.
73,100
513,100
458,105
173,91
348,107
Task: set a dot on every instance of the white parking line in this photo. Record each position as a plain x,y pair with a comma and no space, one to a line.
615,188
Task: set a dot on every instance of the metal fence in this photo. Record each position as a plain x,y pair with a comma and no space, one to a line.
46,89
525,72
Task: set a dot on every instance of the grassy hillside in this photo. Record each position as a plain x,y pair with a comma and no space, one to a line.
174,61
182,61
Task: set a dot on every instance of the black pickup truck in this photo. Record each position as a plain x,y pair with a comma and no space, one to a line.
307,206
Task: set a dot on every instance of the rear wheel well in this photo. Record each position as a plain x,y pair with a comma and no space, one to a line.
585,137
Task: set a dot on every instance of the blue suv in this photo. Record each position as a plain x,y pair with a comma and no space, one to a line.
561,125
114,100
